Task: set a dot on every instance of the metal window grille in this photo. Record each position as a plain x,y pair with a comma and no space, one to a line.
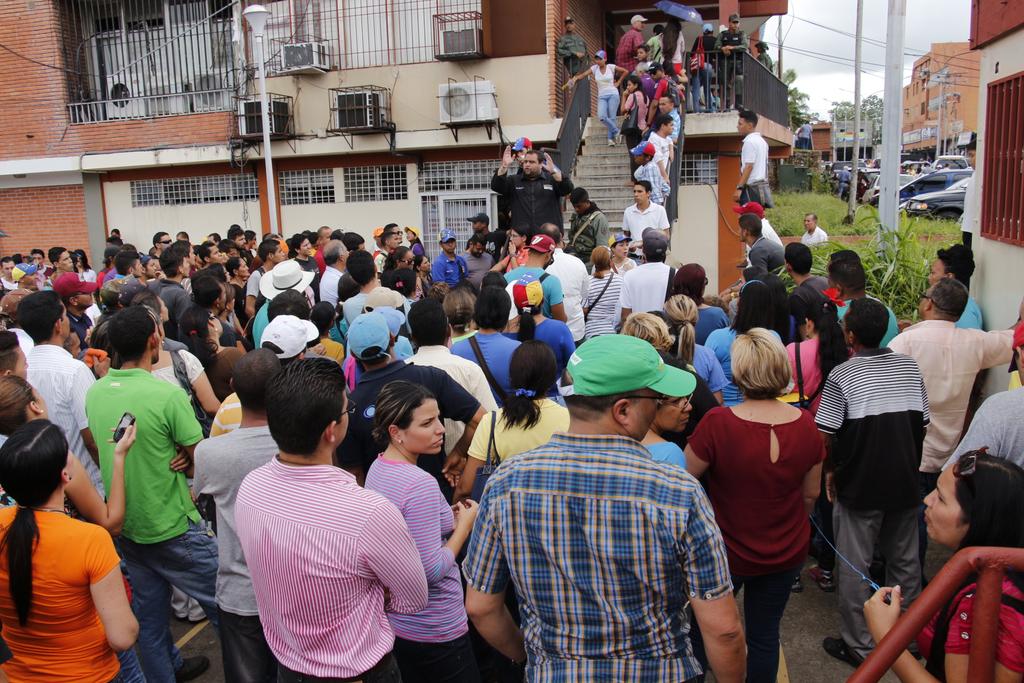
1002,209
315,186
452,212
698,169
451,176
375,183
132,59
212,189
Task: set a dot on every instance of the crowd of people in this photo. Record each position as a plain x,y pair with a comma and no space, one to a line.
542,456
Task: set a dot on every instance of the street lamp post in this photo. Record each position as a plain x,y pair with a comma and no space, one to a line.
257,16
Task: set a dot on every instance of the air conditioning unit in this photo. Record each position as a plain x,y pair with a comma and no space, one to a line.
305,58
250,120
123,98
361,110
470,102
464,43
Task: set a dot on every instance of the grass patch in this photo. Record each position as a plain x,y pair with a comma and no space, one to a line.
790,208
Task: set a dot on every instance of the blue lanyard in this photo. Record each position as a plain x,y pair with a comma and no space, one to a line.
863,577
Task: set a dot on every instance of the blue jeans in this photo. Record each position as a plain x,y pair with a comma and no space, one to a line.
607,110
764,601
188,562
131,672
701,83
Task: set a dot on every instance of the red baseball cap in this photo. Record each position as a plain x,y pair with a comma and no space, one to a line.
749,207
1018,341
70,284
542,244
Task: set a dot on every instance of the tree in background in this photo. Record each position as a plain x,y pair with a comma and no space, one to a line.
799,112
870,110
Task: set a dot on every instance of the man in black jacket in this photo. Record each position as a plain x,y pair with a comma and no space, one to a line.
534,193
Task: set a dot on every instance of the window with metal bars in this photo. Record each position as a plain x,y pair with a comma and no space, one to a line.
1002,206
375,183
211,189
455,176
131,59
314,186
698,169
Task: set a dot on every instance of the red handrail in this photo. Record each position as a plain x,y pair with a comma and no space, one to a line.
990,564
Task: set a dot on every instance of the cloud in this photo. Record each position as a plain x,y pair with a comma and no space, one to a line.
823,58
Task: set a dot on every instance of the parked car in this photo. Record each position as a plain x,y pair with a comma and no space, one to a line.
948,203
871,196
932,182
916,167
951,161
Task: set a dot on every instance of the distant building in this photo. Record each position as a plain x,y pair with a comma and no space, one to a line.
944,81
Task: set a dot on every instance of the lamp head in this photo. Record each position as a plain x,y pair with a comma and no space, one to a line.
257,16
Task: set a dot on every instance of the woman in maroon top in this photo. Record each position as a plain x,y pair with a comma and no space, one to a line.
760,461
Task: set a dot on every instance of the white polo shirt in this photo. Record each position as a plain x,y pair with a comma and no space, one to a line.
755,151
635,221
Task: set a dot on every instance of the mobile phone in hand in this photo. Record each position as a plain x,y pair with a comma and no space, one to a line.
126,421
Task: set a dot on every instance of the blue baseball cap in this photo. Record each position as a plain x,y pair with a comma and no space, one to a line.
23,269
707,28
369,337
447,236
521,144
394,317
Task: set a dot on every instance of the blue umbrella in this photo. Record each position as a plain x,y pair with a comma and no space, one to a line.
680,11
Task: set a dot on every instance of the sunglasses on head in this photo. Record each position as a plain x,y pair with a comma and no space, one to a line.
966,466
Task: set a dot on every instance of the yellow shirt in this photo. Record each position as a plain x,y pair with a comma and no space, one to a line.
1014,381
228,417
509,441
333,350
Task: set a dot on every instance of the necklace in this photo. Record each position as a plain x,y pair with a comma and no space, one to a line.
60,510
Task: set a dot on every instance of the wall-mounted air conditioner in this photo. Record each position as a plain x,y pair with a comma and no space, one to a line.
305,58
461,43
364,109
250,120
470,102
123,98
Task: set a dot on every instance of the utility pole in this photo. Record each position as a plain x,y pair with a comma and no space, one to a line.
942,105
778,39
888,198
851,209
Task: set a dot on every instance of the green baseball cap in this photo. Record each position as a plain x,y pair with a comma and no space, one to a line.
616,364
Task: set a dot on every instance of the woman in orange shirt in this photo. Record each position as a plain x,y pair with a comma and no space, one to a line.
62,598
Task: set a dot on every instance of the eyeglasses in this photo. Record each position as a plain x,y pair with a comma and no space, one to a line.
662,400
165,242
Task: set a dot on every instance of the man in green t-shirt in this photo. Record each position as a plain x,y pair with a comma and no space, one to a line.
164,540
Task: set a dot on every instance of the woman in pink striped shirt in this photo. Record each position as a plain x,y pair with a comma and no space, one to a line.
432,645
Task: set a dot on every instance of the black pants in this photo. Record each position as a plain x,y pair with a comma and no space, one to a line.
247,657
451,662
385,671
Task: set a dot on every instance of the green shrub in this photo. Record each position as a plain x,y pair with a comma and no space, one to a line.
896,263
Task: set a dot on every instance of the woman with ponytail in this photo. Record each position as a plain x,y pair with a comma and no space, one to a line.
62,598
823,348
528,297
201,334
683,314
977,502
526,420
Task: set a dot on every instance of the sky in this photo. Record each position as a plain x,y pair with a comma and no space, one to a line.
823,58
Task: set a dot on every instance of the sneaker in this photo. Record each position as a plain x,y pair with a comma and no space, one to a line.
191,667
826,580
797,586
611,142
837,647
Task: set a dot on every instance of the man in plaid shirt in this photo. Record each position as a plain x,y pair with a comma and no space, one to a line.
605,545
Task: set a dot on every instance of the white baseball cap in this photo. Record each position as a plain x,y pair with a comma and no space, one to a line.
636,18
289,336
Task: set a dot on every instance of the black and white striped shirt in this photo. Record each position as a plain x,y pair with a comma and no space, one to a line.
876,407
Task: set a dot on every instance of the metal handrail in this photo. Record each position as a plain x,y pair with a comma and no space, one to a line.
574,123
990,564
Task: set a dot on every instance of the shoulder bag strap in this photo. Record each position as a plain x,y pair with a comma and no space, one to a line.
584,226
668,287
588,309
482,362
489,465
799,374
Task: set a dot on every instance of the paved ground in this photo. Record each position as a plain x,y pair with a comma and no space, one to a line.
810,616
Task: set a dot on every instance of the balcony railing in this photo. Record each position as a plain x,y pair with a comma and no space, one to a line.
730,83
130,59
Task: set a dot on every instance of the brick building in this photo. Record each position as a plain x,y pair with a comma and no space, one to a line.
945,79
139,115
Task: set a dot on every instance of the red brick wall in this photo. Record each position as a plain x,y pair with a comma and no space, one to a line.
43,217
33,105
589,24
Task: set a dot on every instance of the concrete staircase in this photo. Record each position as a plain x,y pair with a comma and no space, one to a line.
603,171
